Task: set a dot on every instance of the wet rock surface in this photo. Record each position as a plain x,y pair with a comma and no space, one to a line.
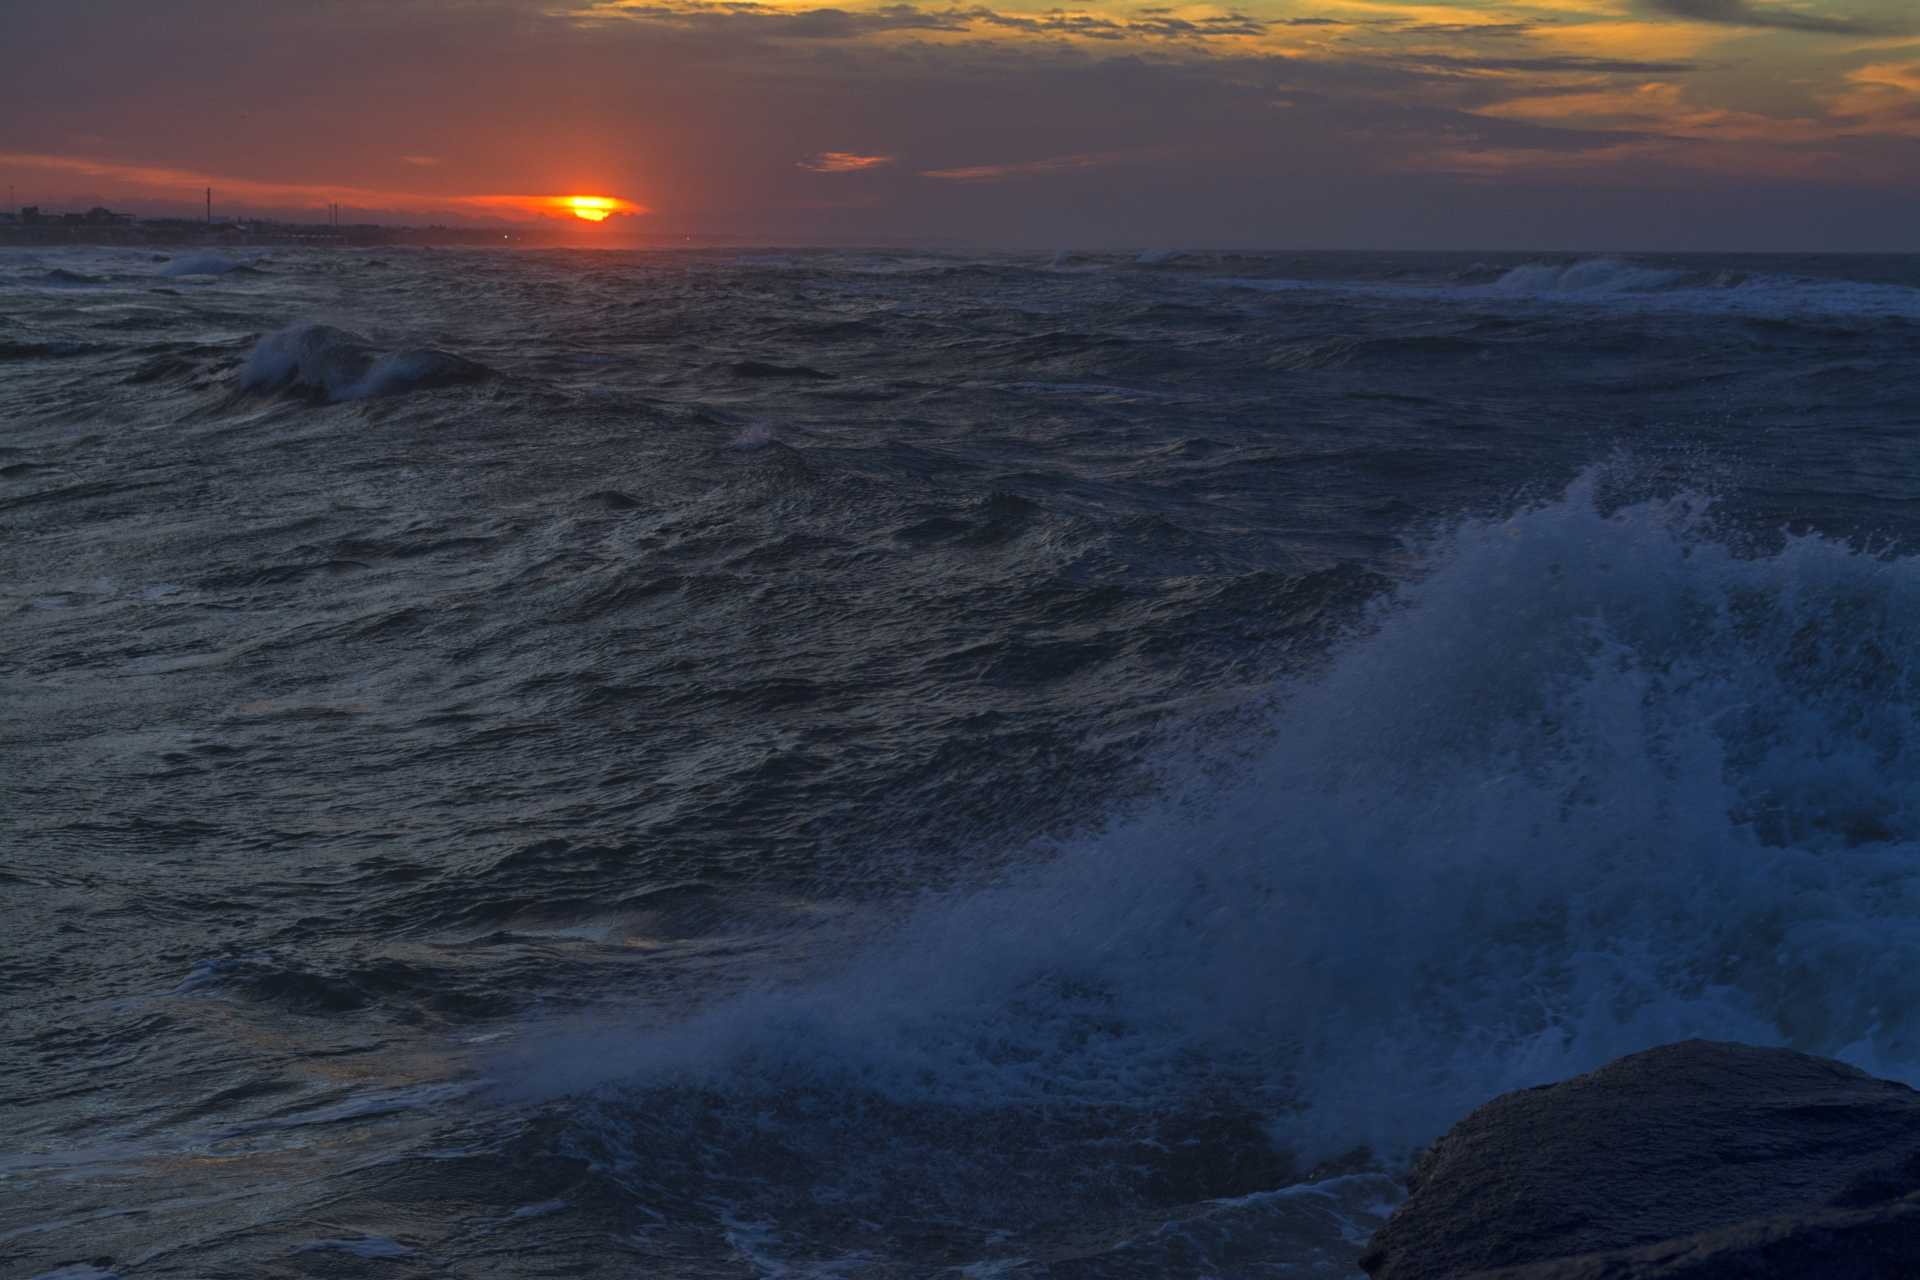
1699,1160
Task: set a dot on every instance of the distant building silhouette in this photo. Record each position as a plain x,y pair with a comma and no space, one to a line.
101,225
99,216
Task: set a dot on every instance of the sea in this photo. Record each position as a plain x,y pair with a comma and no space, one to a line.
874,764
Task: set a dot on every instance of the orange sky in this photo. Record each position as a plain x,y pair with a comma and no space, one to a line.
1485,123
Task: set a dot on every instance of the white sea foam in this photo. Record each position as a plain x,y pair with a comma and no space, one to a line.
1593,782
755,435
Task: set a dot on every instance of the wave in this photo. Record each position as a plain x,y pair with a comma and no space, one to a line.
204,264
262,979
1594,781
1340,350
1615,282
1591,275
45,350
335,365
763,369
1740,292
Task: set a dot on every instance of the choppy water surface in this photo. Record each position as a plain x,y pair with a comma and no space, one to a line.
844,764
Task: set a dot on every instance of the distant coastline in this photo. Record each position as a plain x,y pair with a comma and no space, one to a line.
186,231
76,230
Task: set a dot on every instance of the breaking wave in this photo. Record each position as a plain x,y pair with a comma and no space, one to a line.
333,364
1741,292
1593,275
1595,780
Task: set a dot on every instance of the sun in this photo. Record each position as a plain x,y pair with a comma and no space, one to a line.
586,208
592,208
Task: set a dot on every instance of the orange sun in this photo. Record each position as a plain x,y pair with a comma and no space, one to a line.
592,208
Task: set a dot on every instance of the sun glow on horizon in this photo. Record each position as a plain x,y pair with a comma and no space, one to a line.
587,208
592,208
254,196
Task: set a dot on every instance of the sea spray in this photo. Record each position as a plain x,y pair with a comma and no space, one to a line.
1591,781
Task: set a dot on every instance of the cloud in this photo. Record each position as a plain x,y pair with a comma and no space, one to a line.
1883,97
1169,28
1569,64
843,162
769,20
1147,24
1904,76
829,23
1741,13
1478,30
1025,168
422,162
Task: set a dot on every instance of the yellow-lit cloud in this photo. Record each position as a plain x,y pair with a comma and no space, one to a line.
844,162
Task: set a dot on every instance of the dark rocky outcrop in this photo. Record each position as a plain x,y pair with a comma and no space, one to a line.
1697,1160
1881,1243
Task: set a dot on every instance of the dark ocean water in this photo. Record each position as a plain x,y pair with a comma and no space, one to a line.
839,764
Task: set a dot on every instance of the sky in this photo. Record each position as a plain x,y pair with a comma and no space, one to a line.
1481,124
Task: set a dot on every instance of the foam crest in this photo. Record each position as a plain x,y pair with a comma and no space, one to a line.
337,365
1596,780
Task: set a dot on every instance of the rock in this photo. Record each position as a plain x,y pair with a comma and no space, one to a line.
1697,1160
1881,1243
